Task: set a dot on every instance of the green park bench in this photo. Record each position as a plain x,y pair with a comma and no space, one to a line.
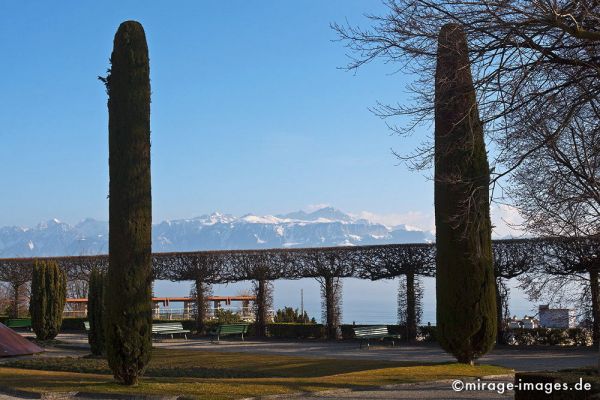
379,332
169,328
229,330
19,323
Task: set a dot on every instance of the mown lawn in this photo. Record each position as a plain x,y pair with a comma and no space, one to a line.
212,375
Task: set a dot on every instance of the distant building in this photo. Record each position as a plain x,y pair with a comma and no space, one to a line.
557,317
524,323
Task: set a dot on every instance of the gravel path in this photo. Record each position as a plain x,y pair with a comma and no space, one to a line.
426,390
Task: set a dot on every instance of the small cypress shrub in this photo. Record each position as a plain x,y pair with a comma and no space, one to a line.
96,312
48,297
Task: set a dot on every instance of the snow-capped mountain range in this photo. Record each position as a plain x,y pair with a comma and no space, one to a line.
324,227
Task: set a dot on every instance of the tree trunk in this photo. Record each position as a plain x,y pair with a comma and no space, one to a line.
200,305
500,314
261,308
411,308
594,289
16,288
331,309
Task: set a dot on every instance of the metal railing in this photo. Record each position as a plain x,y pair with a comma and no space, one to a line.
168,313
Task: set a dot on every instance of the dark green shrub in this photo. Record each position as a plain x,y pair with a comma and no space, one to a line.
96,336
72,324
465,284
48,297
427,333
291,315
129,282
227,317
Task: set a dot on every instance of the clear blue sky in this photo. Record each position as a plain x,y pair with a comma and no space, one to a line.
250,112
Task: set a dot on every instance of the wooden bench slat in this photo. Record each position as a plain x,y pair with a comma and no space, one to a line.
169,328
364,333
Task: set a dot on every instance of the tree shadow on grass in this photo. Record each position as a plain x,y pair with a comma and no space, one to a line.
233,387
217,365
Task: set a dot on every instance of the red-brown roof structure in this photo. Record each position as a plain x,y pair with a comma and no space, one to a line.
13,344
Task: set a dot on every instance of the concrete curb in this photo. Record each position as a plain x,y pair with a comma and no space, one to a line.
6,390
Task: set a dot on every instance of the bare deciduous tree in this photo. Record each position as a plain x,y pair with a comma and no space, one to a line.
557,189
526,55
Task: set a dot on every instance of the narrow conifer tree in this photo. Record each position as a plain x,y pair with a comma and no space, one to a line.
465,285
47,301
96,337
129,283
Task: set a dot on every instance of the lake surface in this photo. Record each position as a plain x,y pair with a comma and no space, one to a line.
364,302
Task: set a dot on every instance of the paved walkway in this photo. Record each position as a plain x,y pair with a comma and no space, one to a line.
519,359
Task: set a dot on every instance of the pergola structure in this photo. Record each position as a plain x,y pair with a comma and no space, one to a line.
78,306
512,258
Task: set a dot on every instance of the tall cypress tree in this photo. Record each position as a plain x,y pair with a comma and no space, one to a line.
48,297
96,337
129,287
466,303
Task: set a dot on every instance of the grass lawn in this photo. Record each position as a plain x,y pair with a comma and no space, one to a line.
213,375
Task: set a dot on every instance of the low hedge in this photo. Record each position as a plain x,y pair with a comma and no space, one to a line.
522,337
549,336
275,330
317,331
580,384
72,324
76,324
296,331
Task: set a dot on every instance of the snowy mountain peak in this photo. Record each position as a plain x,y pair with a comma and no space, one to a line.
216,218
324,227
324,214
255,219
